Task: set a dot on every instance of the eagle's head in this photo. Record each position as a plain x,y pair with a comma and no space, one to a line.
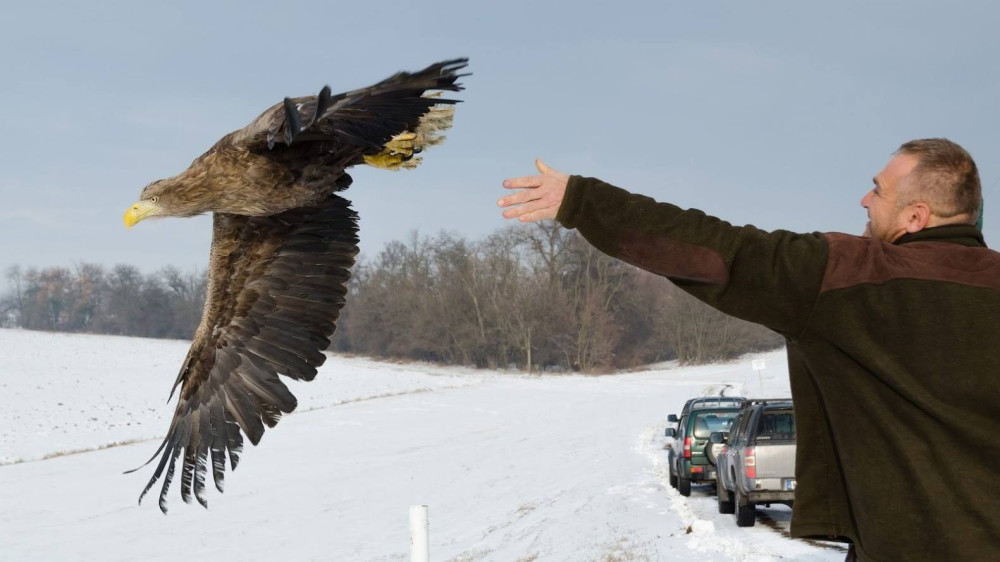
163,198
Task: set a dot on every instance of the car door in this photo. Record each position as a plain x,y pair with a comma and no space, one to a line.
727,455
679,439
737,446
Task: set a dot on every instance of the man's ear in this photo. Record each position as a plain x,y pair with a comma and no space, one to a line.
916,216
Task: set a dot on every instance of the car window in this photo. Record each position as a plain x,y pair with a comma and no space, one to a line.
740,430
707,422
776,426
734,428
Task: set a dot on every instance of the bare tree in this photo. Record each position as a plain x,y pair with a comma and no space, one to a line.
532,297
13,303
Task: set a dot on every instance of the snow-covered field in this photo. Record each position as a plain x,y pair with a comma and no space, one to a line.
513,467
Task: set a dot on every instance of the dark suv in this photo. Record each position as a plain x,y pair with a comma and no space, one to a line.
690,457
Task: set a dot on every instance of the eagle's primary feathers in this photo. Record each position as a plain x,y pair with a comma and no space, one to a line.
283,243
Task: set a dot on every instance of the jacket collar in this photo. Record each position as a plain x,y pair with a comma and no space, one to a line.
962,234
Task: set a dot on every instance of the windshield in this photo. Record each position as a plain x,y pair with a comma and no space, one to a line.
776,426
707,422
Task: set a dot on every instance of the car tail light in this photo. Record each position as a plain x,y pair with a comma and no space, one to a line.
695,469
750,462
687,447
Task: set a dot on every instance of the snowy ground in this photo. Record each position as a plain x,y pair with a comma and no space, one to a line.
513,467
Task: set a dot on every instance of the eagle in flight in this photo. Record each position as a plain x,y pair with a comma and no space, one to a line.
283,243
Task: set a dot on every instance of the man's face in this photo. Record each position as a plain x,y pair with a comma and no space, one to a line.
885,220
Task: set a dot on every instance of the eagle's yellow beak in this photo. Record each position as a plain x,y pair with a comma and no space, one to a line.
139,211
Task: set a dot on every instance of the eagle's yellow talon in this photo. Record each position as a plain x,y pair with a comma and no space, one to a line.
399,151
387,160
404,143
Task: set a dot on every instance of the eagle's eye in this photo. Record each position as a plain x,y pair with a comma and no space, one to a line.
153,199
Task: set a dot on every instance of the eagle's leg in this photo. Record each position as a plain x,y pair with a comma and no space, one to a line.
406,144
398,152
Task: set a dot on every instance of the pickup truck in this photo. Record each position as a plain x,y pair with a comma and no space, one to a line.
757,464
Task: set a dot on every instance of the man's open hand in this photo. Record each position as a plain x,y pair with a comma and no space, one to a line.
540,196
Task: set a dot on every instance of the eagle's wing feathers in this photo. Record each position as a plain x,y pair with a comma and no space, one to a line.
368,117
277,287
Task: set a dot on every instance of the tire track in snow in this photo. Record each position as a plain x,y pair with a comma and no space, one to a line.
136,441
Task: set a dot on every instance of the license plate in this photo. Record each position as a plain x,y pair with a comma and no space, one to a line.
790,484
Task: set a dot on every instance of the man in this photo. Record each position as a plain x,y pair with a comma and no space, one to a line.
893,341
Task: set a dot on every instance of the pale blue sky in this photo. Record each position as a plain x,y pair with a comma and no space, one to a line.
776,114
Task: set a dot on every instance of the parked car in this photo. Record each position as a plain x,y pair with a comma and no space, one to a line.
757,463
710,402
691,458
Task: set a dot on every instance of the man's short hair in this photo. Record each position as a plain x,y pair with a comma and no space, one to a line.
945,178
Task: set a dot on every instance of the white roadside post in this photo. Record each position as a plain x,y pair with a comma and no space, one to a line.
420,547
759,366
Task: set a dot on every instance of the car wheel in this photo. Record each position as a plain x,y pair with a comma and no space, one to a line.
684,486
673,479
725,498
745,513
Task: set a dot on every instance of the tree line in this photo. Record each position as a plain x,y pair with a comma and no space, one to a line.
94,299
533,297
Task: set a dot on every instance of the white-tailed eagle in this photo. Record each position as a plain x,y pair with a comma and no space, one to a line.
283,243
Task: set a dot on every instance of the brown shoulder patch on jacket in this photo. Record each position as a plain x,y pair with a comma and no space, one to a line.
670,258
855,261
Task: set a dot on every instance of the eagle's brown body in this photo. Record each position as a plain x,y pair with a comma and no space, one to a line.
283,244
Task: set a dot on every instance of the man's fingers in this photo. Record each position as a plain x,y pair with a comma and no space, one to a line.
533,210
519,197
541,195
515,212
522,182
546,213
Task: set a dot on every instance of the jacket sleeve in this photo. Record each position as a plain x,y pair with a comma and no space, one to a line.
771,278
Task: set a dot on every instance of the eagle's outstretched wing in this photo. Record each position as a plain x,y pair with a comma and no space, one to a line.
367,117
276,288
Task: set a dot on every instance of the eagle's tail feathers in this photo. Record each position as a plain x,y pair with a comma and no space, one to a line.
399,152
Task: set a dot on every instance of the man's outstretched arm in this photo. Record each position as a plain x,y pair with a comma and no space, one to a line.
772,278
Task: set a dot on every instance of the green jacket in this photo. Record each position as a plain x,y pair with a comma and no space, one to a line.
893,355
